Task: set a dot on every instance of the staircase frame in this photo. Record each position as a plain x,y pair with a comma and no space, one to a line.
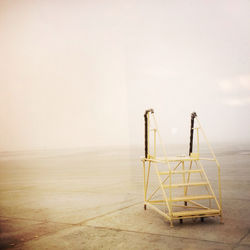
180,167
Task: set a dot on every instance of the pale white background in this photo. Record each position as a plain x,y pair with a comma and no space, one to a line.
81,73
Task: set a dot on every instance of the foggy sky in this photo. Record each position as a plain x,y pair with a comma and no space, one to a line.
82,73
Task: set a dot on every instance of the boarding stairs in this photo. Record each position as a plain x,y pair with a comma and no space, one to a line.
183,185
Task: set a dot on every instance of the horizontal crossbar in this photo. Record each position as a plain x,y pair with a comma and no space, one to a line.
189,198
186,184
181,172
196,212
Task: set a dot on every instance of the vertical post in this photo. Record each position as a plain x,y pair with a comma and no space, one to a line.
188,179
149,166
146,134
148,146
220,197
146,120
198,142
155,142
183,175
144,178
170,193
193,115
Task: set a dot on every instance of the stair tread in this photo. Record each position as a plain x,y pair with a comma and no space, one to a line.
196,197
181,171
186,184
196,212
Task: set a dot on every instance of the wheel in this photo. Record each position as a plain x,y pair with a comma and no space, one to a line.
194,219
181,221
202,219
185,203
145,206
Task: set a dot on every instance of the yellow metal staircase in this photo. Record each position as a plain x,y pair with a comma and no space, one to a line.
179,199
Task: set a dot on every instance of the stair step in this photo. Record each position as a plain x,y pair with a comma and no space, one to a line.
196,212
186,184
196,197
181,171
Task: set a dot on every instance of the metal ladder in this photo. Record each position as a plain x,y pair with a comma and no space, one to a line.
184,166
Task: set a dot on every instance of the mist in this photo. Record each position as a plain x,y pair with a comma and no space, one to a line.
81,73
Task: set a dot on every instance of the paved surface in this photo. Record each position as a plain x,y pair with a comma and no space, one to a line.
75,200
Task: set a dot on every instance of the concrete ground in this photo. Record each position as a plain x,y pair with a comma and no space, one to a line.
94,200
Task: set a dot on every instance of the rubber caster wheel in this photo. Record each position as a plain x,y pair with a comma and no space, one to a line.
145,207
181,221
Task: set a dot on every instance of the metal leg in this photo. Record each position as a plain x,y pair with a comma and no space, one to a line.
221,220
171,223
